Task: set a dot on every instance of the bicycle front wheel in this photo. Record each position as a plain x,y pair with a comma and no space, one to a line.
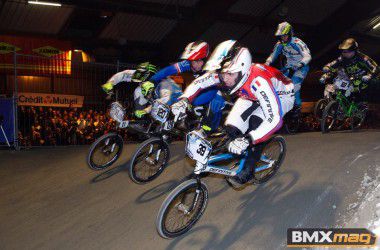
105,151
149,160
319,108
330,116
182,208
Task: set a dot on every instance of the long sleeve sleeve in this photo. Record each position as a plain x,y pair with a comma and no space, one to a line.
170,70
203,82
274,55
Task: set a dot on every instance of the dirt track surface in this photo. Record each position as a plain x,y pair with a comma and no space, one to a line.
50,199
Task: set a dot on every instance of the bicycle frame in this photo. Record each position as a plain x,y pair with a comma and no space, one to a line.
347,106
223,170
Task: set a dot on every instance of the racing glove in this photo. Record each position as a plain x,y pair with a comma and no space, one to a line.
366,78
107,87
140,113
179,109
238,146
326,69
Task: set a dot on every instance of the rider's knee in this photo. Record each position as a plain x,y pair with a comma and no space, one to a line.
217,104
232,131
254,122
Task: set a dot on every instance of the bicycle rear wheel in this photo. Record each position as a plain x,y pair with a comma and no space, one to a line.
358,117
272,155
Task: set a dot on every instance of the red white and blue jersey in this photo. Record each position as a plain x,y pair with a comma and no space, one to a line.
265,85
275,94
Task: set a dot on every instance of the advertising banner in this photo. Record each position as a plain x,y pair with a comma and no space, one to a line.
50,100
45,55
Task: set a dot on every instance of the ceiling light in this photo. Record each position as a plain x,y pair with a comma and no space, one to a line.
45,3
376,26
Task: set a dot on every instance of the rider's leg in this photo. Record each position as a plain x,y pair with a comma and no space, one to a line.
297,79
363,96
245,116
205,97
214,113
214,99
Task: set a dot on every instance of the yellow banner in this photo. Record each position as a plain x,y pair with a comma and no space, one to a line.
50,100
48,51
6,48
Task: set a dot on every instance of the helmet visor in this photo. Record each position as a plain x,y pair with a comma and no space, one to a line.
218,56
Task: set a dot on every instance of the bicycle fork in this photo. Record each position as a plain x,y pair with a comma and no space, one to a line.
157,155
187,210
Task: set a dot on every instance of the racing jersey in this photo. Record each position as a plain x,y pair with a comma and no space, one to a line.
265,85
357,67
122,76
296,52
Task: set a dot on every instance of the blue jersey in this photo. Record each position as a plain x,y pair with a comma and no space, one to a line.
170,70
295,51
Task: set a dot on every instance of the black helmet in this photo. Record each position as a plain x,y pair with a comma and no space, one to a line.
349,44
143,72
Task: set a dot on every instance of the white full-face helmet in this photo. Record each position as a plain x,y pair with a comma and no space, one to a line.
240,63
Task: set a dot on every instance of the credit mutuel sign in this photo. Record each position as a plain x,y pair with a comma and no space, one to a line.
50,100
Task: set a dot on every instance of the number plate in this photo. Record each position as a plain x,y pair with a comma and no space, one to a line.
160,111
117,112
342,84
197,148
168,125
124,124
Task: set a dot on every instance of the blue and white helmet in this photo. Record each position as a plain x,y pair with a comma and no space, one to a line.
221,54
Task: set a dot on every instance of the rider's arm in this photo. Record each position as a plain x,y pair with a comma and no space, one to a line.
304,50
123,76
372,66
276,52
271,106
203,82
170,70
333,66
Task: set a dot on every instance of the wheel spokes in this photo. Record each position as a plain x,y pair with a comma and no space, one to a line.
149,161
179,215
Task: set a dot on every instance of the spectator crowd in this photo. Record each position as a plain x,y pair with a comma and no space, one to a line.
40,126
47,126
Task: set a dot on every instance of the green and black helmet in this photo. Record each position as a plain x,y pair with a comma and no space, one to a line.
144,71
